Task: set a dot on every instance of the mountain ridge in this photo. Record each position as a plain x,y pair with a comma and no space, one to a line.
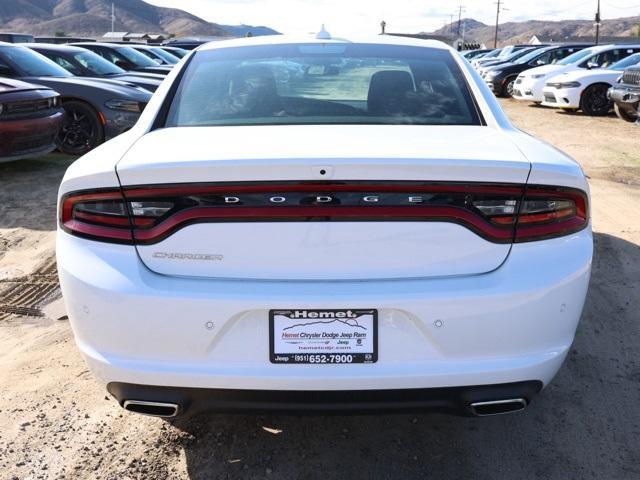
522,32
92,18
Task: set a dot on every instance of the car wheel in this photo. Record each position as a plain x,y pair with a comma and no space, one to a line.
625,114
81,129
507,89
594,100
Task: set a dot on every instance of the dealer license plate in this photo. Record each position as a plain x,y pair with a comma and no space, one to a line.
323,336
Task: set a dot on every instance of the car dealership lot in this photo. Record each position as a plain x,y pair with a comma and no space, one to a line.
56,421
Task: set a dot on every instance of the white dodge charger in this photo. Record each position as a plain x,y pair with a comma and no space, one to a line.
324,224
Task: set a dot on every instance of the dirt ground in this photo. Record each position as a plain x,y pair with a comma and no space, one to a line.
55,422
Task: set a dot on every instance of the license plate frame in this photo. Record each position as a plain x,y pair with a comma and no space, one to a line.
311,347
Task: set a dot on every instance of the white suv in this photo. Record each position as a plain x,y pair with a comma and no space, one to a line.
530,84
310,224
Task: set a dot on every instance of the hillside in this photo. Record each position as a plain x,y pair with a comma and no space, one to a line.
93,18
517,32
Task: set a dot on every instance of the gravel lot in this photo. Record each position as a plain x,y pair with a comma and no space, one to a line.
55,422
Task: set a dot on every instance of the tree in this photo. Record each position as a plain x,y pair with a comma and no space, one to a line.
60,33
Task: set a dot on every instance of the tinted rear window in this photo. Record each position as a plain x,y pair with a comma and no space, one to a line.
323,84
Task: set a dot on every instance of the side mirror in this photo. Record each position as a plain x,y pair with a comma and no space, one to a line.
5,71
591,65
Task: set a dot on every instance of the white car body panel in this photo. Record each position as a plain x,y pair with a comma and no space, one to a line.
454,309
325,251
530,83
571,97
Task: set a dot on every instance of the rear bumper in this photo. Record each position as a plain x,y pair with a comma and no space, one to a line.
455,400
514,324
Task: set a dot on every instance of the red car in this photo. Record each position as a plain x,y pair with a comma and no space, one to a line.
30,116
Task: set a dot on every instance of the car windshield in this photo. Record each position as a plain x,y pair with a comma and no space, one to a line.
172,59
28,63
576,57
532,55
323,84
137,58
630,61
96,64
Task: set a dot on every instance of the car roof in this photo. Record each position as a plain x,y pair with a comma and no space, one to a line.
54,47
289,39
99,44
612,46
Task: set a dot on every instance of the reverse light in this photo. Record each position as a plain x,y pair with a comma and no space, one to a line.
500,213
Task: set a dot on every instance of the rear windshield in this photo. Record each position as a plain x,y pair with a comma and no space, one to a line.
323,84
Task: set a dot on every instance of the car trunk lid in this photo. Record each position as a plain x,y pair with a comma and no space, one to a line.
322,202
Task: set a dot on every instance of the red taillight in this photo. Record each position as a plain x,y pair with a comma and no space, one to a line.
99,215
548,212
498,213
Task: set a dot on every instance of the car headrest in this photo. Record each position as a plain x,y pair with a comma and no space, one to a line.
387,91
254,78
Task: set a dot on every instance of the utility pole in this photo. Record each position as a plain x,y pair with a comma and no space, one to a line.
460,10
495,39
451,25
113,17
598,23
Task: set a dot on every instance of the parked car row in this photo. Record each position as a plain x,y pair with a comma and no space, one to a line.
95,91
573,77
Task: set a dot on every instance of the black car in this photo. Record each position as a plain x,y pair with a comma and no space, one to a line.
626,94
96,110
501,78
515,55
84,63
125,57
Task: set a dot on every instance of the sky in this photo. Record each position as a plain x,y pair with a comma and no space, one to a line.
412,16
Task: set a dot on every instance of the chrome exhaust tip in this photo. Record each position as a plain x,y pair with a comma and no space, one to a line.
498,407
152,409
